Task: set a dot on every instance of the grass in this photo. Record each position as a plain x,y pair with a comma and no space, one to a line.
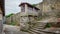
13,23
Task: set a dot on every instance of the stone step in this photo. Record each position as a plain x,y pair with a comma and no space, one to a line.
31,32
41,23
39,26
37,31
34,31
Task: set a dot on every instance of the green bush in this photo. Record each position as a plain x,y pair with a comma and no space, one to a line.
48,25
13,23
9,15
34,5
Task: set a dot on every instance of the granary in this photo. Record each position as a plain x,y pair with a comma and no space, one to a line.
28,9
28,14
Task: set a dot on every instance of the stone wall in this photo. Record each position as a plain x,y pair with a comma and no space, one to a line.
49,7
14,18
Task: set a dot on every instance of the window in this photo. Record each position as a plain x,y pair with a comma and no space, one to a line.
23,9
30,9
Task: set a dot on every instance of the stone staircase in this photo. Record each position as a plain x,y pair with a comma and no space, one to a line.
37,29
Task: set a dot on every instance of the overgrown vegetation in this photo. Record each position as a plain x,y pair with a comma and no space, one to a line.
9,15
13,23
34,5
48,25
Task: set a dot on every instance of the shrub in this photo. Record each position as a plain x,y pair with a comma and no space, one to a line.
13,23
48,25
9,15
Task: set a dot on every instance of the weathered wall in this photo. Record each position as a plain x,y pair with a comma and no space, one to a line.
49,7
14,18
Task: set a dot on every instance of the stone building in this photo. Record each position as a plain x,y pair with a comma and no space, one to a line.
28,15
2,14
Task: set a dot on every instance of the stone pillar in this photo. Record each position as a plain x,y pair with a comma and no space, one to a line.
26,8
1,24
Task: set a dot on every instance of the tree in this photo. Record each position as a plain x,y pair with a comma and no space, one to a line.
9,15
34,5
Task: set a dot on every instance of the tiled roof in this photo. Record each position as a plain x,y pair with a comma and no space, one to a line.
29,5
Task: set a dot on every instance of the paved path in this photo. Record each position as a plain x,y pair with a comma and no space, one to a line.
8,29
